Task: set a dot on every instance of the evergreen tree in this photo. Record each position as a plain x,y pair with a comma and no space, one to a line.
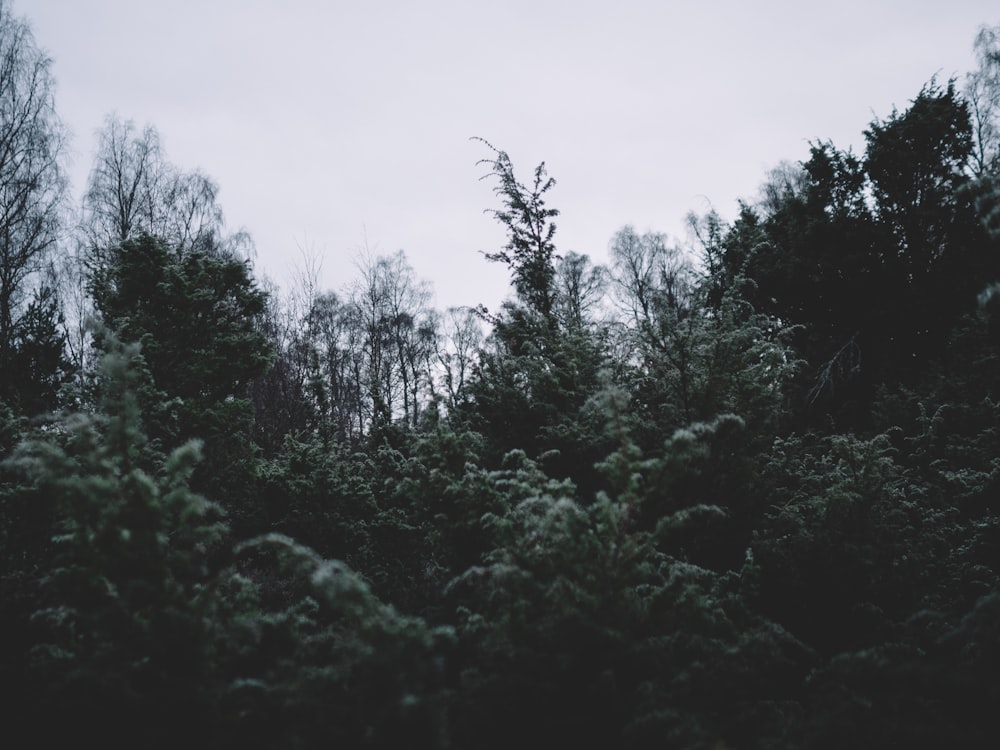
38,366
530,253
877,258
531,383
122,627
196,315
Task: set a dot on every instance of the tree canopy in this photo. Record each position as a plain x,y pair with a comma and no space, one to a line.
742,491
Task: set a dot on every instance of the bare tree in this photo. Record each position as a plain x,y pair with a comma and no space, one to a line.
329,361
580,287
400,337
463,337
784,181
655,287
651,279
124,184
133,189
32,183
982,91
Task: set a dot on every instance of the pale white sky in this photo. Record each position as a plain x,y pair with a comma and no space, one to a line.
329,124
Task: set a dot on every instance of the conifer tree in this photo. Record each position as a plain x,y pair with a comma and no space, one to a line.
124,619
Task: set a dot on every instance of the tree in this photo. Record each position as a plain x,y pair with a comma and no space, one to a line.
935,255
280,401
982,91
399,337
332,342
134,621
124,183
32,184
196,315
123,614
530,253
586,624
40,366
133,189
877,258
692,348
812,254
579,287
544,357
915,162
463,338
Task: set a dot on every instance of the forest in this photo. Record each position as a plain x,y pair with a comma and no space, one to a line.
737,493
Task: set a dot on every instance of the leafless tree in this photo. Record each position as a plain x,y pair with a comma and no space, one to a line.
133,189
462,338
982,91
32,183
580,287
784,181
651,279
400,337
124,184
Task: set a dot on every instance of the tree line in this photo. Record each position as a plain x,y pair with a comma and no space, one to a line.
735,492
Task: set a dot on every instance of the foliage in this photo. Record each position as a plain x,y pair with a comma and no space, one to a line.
139,629
530,252
690,350
195,314
738,495
877,258
124,618
37,366
586,624
319,660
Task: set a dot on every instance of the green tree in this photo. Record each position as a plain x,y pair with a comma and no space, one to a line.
878,258
530,253
692,348
195,314
935,250
586,623
317,659
542,363
123,620
135,624
38,362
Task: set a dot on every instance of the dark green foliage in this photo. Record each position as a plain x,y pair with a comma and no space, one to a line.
323,498
122,627
136,627
743,500
406,518
875,552
318,660
586,625
935,248
530,252
530,392
36,366
532,385
876,257
195,314
694,347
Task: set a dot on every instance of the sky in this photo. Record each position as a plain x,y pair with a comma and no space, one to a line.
336,129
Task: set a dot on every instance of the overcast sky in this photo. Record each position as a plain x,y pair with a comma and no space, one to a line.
330,125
